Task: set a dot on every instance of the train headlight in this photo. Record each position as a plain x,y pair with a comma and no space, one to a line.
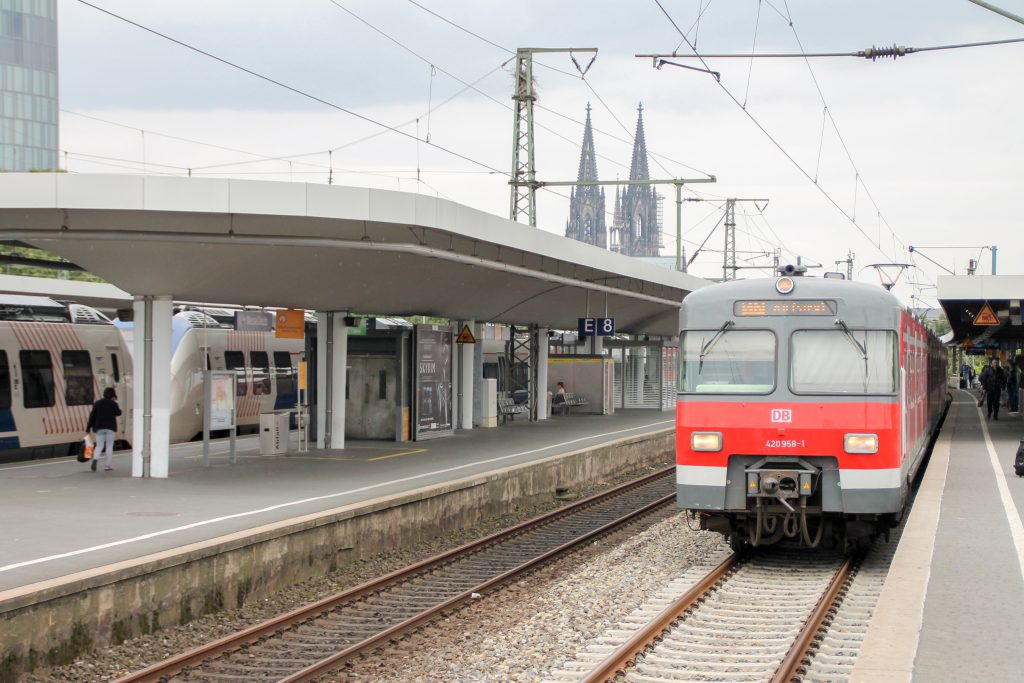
784,285
860,443
706,441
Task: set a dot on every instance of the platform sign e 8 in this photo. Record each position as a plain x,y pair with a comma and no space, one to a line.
599,327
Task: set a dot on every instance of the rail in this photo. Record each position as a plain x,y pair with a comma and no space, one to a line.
545,537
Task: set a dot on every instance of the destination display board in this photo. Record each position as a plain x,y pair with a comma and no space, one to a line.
761,309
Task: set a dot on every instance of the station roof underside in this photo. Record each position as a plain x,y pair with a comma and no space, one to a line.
332,248
963,298
97,294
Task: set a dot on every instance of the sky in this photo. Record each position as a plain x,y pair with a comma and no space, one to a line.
853,155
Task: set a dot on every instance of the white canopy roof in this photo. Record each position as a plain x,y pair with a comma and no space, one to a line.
329,247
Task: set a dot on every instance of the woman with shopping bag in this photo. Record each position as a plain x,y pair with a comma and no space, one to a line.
103,421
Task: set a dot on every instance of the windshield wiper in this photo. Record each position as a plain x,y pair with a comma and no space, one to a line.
862,349
705,349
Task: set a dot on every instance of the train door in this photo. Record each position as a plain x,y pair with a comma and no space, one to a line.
110,373
371,398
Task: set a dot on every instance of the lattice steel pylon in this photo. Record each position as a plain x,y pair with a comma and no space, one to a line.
729,264
524,175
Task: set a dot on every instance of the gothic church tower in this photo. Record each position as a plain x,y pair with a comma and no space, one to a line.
586,202
636,226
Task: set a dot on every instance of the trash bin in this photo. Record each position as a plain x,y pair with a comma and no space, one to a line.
274,433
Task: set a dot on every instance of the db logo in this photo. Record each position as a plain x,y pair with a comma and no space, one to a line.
782,415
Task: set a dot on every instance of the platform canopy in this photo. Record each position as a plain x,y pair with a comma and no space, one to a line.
983,310
329,247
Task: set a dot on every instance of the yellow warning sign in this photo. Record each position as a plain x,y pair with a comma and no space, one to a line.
986,316
465,337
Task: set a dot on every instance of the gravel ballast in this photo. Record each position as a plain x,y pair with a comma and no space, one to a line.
524,631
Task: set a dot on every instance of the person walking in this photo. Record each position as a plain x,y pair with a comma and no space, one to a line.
103,421
1013,377
992,382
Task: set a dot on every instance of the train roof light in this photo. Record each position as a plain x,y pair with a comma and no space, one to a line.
784,285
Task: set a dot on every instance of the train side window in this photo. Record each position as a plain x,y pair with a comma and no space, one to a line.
5,382
116,367
260,363
284,373
235,360
37,371
77,378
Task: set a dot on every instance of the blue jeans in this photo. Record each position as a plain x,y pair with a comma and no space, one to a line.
105,440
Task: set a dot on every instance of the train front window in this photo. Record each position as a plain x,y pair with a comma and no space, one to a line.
727,361
843,361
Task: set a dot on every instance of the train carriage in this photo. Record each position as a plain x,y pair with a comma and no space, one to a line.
55,361
805,408
204,340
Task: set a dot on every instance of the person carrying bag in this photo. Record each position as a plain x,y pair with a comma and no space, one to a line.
103,420
88,446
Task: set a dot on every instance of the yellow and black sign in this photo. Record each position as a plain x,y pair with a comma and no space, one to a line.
466,336
986,316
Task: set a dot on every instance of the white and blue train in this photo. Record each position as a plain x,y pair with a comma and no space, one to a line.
56,359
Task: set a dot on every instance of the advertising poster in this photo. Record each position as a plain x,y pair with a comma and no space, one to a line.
433,395
222,400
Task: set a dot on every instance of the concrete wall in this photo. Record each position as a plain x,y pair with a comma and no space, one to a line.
54,622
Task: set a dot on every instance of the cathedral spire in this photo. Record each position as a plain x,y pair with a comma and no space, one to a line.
638,167
588,158
586,202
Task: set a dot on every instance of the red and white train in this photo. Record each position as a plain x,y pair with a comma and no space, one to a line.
806,406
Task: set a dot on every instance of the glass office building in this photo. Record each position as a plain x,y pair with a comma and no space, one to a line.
28,85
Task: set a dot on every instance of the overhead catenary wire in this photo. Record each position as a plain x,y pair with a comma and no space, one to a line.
598,130
772,138
285,86
872,53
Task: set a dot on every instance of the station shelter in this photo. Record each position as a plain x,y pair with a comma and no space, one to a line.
342,252
985,320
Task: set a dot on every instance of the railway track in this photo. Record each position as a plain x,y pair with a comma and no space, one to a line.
753,617
309,642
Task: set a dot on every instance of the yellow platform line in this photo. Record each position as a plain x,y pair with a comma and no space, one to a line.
396,455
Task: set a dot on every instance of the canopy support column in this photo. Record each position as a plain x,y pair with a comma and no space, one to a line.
331,375
151,397
540,387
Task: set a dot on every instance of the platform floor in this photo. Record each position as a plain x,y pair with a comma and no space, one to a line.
952,608
59,518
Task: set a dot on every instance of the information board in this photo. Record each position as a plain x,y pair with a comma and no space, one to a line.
596,327
254,321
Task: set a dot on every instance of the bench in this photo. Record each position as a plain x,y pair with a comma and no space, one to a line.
568,402
508,408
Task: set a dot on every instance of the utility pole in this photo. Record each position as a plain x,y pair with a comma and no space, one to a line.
729,263
680,254
524,178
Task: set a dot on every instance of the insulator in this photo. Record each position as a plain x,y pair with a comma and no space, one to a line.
874,53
